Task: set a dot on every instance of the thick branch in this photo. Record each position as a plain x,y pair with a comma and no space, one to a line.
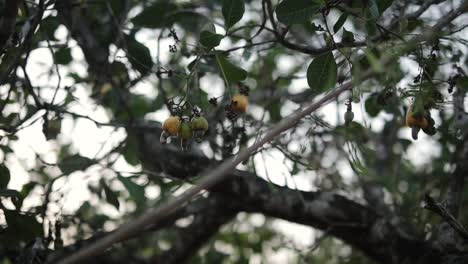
198,208
352,222
7,22
188,240
449,218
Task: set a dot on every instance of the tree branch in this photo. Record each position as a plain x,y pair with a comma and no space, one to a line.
188,240
354,223
7,22
442,212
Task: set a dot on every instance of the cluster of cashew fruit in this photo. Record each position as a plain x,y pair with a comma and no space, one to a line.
184,128
418,121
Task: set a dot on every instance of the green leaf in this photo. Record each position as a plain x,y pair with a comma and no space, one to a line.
209,39
371,27
274,109
4,176
9,193
111,196
205,64
130,152
74,163
117,7
6,149
462,83
48,27
348,36
188,19
21,227
374,61
371,106
138,55
210,27
231,73
383,5
232,10
63,56
322,72
154,16
340,22
296,11
140,105
15,196
25,191
119,72
137,192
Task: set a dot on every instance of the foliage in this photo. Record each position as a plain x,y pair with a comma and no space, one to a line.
85,86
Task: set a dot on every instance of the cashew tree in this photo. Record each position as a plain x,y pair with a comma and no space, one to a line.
233,131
